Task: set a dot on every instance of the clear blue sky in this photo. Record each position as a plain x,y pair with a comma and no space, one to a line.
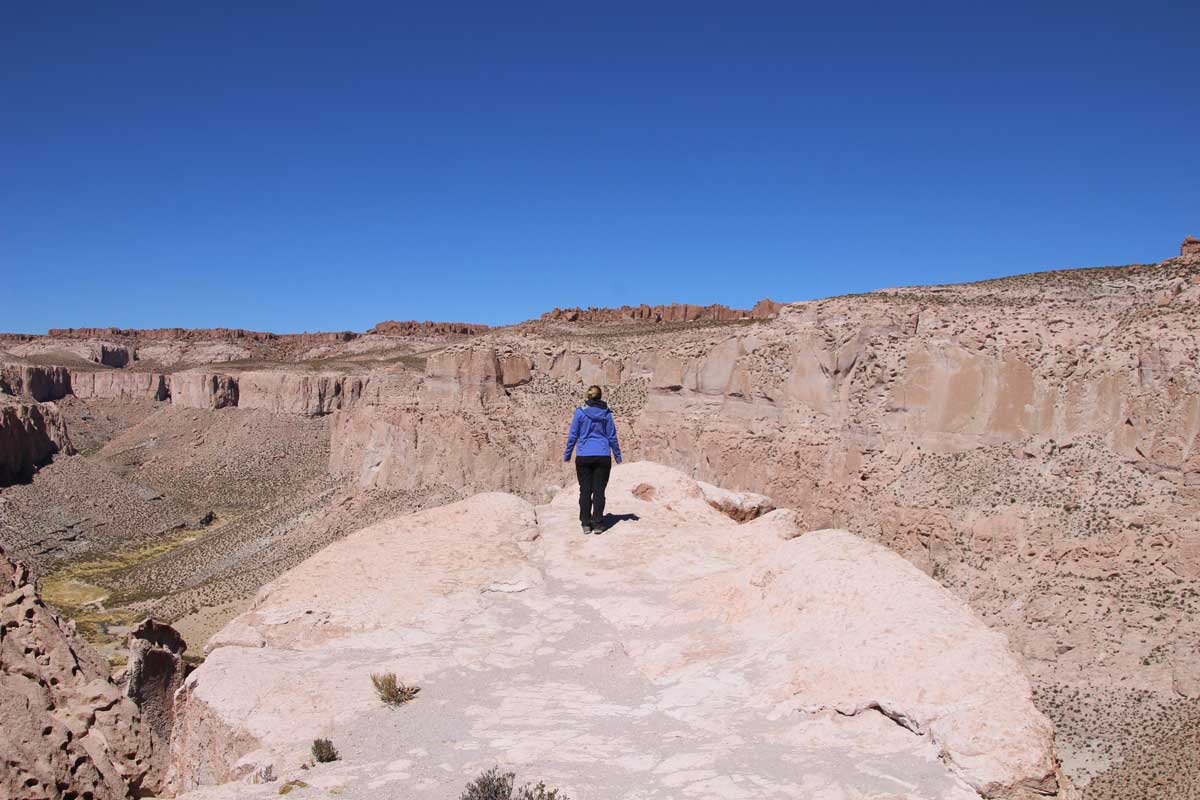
308,166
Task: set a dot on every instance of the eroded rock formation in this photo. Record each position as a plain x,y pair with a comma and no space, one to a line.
156,669
427,328
30,434
674,312
67,729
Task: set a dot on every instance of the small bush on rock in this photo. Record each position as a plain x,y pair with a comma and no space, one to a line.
497,785
539,792
323,751
391,692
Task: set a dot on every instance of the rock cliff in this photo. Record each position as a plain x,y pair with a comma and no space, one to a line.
1031,442
30,434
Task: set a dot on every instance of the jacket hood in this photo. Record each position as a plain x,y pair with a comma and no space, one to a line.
596,403
596,411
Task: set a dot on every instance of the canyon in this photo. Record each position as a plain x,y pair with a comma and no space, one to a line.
1017,460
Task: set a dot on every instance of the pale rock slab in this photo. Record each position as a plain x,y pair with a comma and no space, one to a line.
680,654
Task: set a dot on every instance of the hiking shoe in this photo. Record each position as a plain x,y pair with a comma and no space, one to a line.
586,529
599,527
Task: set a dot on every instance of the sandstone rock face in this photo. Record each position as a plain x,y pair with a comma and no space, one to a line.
679,653
30,434
297,392
68,731
156,670
35,382
466,377
113,355
203,390
1190,247
123,384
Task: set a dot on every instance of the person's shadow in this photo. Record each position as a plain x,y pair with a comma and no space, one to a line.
608,520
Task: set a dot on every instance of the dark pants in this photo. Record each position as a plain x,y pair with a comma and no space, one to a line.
592,472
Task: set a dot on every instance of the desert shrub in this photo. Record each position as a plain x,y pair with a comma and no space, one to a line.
497,785
323,751
391,692
491,785
287,787
538,792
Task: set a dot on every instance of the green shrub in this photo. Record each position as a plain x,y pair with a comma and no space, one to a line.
323,751
391,692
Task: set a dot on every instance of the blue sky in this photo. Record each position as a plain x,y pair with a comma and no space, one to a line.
319,166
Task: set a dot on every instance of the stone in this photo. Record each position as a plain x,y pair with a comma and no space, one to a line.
156,669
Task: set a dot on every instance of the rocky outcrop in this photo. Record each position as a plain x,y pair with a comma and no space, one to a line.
114,355
675,312
297,392
427,328
196,389
36,383
462,377
30,434
156,669
1190,247
68,731
118,385
678,648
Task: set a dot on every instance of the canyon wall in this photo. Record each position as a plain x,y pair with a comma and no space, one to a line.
30,434
1033,443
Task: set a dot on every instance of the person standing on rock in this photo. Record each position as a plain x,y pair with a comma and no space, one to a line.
592,435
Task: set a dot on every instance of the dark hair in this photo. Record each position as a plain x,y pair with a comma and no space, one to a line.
594,392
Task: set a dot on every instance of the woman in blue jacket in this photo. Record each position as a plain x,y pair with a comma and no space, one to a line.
591,436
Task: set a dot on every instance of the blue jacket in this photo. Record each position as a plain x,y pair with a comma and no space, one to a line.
592,432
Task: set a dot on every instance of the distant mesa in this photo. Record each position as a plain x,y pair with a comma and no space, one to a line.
675,312
414,328
1190,247
195,334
